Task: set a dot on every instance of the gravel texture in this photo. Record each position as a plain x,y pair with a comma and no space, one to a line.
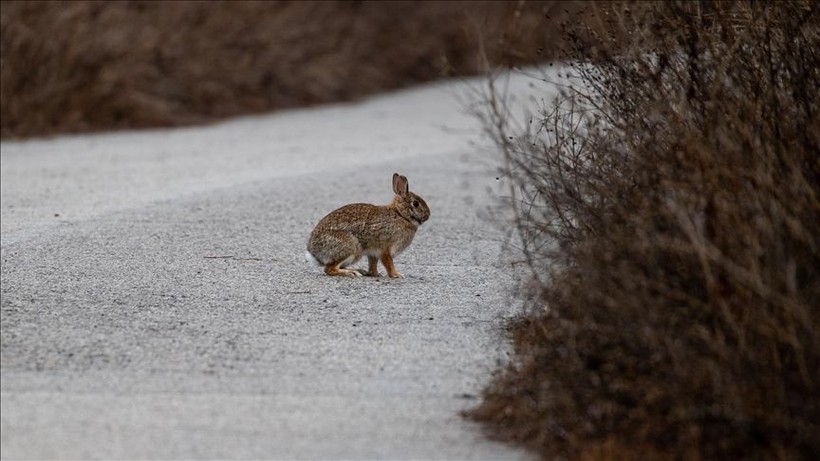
156,302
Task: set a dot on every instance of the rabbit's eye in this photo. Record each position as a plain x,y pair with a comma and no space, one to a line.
415,203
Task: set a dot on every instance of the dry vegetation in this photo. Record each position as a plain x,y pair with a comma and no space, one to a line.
82,66
668,204
669,207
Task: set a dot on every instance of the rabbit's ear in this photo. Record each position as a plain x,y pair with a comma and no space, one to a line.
400,185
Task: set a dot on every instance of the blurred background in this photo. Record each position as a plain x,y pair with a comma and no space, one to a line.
84,66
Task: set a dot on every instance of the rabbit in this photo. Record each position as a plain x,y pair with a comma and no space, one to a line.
379,232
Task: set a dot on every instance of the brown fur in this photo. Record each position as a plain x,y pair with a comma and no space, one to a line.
379,232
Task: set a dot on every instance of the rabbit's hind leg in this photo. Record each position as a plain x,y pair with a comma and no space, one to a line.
347,251
339,268
336,250
336,270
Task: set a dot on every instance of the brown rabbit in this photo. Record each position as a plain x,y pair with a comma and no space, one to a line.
379,232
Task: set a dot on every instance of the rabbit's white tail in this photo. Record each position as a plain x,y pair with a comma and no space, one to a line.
312,259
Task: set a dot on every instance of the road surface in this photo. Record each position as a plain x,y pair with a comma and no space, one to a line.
156,302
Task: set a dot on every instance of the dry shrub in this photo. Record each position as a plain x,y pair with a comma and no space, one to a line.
669,206
88,65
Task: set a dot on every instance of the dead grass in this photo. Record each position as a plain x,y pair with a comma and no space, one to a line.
88,65
669,207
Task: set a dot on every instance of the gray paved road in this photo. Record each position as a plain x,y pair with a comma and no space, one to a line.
156,302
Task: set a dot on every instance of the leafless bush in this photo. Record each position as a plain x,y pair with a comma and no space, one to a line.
669,203
89,65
